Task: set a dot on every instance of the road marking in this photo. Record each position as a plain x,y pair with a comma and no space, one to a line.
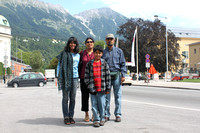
162,105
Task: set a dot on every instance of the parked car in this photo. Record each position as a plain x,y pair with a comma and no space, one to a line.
128,80
28,79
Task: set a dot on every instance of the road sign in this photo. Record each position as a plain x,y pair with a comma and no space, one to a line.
147,60
147,65
147,56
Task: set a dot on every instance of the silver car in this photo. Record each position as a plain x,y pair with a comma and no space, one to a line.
128,80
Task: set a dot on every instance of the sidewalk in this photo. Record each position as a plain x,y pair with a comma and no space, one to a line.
2,85
169,84
160,83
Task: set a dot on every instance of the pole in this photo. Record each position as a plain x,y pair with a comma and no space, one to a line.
16,49
166,53
21,56
137,52
16,57
166,75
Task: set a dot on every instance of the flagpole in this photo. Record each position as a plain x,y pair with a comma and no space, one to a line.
137,52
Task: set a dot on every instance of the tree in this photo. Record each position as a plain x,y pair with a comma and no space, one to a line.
36,61
151,40
2,69
99,42
25,56
53,64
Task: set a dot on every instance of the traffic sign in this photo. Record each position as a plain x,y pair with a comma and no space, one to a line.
147,56
147,60
147,65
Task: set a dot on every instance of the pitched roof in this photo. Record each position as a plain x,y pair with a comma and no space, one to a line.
185,32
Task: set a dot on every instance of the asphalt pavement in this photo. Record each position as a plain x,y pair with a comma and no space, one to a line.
38,110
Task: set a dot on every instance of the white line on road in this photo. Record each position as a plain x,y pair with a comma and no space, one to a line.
162,105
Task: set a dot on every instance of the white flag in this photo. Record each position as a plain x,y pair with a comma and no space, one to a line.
117,43
133,49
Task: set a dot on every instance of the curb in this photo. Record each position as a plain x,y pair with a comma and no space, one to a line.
168,87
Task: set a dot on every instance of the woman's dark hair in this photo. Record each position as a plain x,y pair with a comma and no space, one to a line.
67,47
99,48
88,38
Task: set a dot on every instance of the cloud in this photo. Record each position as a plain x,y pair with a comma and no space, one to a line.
84,2
146,9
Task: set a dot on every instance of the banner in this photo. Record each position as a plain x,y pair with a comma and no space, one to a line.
133,48
117,43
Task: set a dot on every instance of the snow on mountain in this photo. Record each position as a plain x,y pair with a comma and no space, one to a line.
35,3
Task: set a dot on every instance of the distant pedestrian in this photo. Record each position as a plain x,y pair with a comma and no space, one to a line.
115,58
98,80
4,79
140,75
67,73
85,56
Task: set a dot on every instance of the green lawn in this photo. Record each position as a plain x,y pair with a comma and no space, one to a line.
188,80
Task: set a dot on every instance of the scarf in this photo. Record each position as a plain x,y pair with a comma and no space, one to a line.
65,76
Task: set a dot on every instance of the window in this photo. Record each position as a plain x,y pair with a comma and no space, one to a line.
195,51
185,54
32,76
39,76
25,76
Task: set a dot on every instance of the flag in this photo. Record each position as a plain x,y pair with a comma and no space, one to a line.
117,43
133,48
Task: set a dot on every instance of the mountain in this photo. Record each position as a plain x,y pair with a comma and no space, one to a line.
34,18
101,21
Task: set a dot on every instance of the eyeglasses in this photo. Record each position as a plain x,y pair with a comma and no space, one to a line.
89,42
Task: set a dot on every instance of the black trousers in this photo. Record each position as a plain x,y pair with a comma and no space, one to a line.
84,96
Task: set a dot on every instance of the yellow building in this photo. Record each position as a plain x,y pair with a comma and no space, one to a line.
187,36
194,56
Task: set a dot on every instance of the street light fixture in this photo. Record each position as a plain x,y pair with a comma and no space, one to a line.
156,17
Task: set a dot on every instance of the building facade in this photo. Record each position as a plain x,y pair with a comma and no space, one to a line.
194,56
17,66
187,36
5,41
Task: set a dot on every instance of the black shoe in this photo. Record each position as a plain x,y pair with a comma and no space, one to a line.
118,119
71,120
107,119
67,121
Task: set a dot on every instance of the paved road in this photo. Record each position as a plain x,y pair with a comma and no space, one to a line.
145,110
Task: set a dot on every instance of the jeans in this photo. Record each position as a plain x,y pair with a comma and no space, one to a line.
98,106
117,96
84,96
68,101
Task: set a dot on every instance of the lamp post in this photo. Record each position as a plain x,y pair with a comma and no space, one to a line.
156,17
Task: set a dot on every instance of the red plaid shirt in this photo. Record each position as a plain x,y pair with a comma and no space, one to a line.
97,75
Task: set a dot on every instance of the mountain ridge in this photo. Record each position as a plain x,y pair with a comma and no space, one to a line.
36,18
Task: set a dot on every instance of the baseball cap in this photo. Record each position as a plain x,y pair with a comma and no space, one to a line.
110,36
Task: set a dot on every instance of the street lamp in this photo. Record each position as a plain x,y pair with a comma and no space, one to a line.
156,17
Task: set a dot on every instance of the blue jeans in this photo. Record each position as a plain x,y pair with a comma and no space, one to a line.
68,101
98,106
117,95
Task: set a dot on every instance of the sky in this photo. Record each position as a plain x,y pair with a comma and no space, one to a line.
173,13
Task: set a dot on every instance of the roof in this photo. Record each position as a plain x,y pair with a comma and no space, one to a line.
185,32
196,43
4,21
